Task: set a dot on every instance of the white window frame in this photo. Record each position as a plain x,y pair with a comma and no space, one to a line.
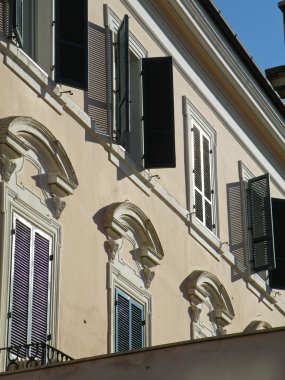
210,239
34,229
113,22
122,277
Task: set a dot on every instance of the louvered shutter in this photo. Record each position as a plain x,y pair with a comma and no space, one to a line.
17,20
202,178
136,325
129,323
71,65
261,239
277,276
20,284
158,113
40,289
123,82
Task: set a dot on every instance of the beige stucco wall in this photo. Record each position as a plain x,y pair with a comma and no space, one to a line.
83,309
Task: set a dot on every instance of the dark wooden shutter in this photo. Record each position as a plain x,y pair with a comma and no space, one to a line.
129,323
261,239
6,17
158,113
40,289
20,284
198,174
207,184
277,276
123,82
71,18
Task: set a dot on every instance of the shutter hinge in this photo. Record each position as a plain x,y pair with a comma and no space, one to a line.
48,337
9,315
212,191
116,303
13,231
143,323
51,258
210,151
192,129
213,226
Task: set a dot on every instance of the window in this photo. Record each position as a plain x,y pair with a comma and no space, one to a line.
203,180
30,284
32,25
144,104
129,320
264,218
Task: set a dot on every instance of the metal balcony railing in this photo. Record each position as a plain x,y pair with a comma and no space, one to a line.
32,355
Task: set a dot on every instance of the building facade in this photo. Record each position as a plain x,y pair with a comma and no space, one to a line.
142,178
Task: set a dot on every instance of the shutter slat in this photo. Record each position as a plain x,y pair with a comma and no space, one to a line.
158,113
197,158
123,82
71,66
277,276
262,246
40,289
20,287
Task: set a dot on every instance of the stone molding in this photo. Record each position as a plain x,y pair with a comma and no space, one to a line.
19,135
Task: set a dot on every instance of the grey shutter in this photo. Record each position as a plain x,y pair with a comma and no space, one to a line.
207,184
122,323
277,276
158,113
123,82
98,98
20,284
261,239
71,18
198,173
40,289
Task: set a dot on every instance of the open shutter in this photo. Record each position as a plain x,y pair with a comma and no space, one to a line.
207,184
262,245
277,276
158,113
198,174
40,289
71,18
123,82
17,20
20,284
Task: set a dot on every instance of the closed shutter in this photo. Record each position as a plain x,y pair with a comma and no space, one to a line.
129,323
123,82
30,279
277,276
6,17
158,113
261,238
71,67
40,288
203,191
20,284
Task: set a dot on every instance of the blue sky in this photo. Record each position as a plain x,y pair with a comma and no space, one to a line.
259,26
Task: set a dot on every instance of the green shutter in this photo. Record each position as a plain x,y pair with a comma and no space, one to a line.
123,82
158,113
277,276
261,238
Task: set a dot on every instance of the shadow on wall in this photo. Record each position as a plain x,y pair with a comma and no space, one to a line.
237,232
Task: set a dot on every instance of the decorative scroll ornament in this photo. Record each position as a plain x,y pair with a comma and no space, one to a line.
148,276
6,167
58,205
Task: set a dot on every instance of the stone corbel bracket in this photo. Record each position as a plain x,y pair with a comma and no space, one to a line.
21,135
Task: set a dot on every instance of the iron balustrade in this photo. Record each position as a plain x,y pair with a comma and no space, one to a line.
32,355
